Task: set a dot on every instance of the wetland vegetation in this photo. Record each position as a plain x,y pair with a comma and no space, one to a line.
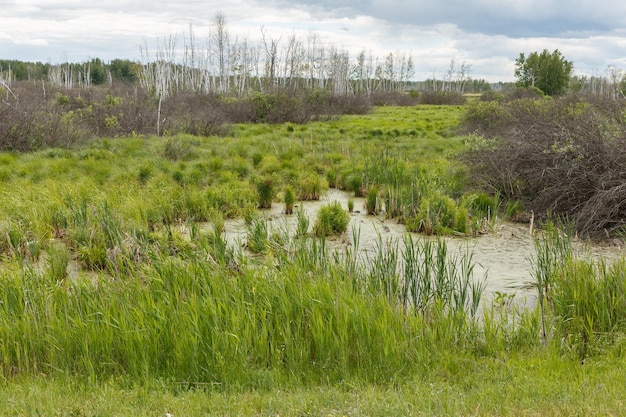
120,294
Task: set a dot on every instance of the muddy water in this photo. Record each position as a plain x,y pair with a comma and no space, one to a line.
504,258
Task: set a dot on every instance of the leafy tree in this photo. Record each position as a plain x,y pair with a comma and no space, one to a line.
96,71
550,72
124,70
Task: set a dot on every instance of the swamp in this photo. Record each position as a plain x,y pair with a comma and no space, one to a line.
353,265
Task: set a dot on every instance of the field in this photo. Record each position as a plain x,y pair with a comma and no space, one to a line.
120,294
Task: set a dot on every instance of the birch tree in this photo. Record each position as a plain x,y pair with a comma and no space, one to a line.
222,44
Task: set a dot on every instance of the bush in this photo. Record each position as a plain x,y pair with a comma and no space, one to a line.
442,98
437,214
563,157
331,219
486,116
177,149
311,187
35,116
481,205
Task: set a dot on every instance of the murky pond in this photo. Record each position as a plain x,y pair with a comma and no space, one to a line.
504,258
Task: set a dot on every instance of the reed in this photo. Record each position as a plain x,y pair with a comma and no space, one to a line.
58,259
552,248
371,201
582,298
257,235
193,321
290,199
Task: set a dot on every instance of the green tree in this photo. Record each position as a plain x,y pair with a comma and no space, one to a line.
124,70
96,71
550,72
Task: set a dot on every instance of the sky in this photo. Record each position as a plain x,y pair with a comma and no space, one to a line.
486,35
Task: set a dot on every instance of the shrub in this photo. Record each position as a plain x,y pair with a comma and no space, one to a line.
176,149
437,214
481,205
331,219
560,156
442,98
484,116
312,187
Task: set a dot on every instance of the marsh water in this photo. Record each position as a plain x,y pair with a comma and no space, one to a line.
503,257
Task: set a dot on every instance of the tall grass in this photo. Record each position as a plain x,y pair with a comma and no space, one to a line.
583,298
312,316
160,296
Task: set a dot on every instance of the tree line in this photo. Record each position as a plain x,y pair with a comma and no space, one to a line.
226,64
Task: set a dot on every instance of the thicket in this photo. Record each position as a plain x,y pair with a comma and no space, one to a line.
561,157
37,115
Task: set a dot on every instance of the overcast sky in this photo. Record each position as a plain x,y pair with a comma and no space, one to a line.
486,34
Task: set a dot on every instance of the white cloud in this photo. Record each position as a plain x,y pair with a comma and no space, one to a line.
488,34
33,42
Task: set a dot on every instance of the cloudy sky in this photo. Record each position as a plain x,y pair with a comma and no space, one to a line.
486,34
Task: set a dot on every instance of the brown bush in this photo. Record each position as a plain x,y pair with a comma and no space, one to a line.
38,115
564,157
442,98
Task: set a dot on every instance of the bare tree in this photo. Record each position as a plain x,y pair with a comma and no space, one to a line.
462,76
294,58
222,41
271,57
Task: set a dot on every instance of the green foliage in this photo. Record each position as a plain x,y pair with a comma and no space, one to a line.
290,199
265,189
481,205
354,183
97,71
437,214
302,223
258,235
58,260
124,70
331,219
487,115
177,149
371,201
62,99
263,106
134,296
311,187
550,72
583,299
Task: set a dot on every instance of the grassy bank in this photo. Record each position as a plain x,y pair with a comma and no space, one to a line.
530,385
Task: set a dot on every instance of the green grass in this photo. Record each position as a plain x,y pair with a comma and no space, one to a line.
115,299
535,385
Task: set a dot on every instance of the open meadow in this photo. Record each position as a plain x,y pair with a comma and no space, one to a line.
121,292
